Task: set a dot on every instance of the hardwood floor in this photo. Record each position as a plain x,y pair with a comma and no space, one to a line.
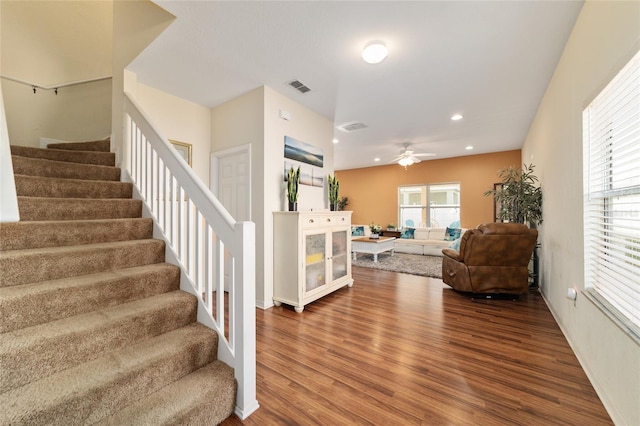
399,349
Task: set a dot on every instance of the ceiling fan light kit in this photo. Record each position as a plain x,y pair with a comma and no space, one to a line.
408,157
406,161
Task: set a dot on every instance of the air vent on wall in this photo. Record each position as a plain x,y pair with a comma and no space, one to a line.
299,86
351,127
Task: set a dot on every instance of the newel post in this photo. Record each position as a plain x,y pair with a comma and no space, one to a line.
245,316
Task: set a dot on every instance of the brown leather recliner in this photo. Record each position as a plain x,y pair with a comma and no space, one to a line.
493,258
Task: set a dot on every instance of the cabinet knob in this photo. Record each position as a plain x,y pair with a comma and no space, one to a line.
328,219
310,220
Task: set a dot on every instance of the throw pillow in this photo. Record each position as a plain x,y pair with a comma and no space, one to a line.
452,234
357,231
407,233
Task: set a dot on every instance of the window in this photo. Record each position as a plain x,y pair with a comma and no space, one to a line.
611,126
434,205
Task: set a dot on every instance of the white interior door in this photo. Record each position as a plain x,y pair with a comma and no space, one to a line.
233,183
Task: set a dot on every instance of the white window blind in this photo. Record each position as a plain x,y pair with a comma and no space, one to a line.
612,201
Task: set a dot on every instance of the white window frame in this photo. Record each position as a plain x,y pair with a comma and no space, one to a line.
426,208
611,142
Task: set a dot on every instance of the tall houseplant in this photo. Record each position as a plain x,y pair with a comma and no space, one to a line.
520,199
334,189
293,182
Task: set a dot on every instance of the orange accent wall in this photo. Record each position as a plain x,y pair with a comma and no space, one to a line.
373,191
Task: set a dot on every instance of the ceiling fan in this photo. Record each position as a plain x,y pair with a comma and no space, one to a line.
408,157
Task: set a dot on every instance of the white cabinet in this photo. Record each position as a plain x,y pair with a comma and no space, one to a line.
310,255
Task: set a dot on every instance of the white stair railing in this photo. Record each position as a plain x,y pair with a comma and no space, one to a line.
216,253
9,206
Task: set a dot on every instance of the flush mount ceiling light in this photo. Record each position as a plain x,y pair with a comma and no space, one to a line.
456,117
374,52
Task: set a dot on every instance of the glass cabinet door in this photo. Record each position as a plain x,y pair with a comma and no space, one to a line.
339,254
315,261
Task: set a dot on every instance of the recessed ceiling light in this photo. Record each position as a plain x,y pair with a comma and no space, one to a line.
456,117
374,52
468,147
376,159
336,141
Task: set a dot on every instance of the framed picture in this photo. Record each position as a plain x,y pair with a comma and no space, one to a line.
306,173
303,152
184,149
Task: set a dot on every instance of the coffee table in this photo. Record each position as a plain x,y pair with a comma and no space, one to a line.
372,246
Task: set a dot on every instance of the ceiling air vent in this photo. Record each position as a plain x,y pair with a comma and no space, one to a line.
299,86
351,127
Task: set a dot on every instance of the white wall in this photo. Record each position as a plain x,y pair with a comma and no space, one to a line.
76,114
135,25
48,43
253,119
305,126
241,122
605,36
179,120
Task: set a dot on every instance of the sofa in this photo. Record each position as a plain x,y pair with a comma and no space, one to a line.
425,241
493,258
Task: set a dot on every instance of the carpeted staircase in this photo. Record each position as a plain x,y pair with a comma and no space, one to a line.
94,328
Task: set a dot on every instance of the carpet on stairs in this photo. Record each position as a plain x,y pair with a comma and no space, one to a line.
93,325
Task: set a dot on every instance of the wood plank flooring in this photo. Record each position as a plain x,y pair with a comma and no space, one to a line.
398,349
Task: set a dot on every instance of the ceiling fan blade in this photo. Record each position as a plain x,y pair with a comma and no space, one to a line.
425,154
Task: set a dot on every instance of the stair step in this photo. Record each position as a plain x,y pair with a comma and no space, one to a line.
61,169
91,391
35,186
40,234
87,157
44,264
31,304
46,208
32,353
204,397
103,145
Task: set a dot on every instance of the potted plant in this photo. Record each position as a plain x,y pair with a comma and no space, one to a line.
391,227
334,189
293,181
343,202
375,231
520,201
519,198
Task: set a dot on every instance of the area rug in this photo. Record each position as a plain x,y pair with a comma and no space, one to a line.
415,264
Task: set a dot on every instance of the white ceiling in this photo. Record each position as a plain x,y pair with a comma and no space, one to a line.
488,60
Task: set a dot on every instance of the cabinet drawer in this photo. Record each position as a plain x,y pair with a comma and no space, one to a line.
323,221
